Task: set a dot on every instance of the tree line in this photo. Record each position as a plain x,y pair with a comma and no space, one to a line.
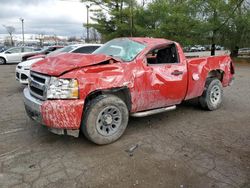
190,22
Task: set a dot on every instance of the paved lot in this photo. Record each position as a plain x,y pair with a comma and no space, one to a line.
188,147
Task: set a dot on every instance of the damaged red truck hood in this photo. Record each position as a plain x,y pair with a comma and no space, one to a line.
57,65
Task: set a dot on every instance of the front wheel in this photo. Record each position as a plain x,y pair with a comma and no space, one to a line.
2,60
211,98
105,119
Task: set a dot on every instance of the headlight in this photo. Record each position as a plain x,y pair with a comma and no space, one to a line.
62,89
26,67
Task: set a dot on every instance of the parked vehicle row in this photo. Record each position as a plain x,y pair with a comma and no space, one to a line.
96,93
2,48
15,54
44,51
197,48
200,48
244,52
23,68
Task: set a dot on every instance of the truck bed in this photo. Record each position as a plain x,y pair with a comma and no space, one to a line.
199,69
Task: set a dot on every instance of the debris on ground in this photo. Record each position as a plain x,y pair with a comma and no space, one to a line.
131,150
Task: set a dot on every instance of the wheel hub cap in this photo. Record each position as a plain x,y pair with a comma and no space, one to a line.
108,121
215,95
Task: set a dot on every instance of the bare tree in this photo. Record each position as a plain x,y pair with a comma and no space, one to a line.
40,37
72,39
94,35
55,39
10,30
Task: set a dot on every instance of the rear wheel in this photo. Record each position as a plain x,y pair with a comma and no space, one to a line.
105,119
211,98
2,60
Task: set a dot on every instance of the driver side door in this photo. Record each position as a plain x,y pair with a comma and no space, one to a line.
166,77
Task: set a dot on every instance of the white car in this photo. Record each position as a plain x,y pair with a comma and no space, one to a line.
23,68
14,55
244,52
201,48
194,49
197,48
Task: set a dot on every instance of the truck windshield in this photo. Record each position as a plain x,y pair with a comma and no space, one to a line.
123,48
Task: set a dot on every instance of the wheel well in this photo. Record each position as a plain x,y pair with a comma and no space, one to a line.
123,93
216,74
3,58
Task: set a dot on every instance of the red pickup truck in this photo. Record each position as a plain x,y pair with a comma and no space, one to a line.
97,93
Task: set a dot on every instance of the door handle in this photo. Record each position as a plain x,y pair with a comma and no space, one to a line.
177,73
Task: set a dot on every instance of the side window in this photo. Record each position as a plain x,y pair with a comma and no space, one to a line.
86,49
167,55
151,57
52,49
94,48
27,50
14,50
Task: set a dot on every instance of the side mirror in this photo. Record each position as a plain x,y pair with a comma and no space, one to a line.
7,52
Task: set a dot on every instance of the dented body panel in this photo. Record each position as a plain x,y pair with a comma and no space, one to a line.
63,114
150,86
199,69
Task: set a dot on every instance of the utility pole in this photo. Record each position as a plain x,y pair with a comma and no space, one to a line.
131,18
87,6
22,20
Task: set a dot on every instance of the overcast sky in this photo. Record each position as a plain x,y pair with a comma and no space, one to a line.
60,17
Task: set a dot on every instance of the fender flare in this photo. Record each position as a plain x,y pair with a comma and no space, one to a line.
122,92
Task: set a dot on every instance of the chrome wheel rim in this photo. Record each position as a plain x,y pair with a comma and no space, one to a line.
108,121
215,95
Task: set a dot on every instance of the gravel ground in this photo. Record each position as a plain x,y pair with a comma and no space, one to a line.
188,147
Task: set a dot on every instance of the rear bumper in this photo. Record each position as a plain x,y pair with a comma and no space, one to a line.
60,116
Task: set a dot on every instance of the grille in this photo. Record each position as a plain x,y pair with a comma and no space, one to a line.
17,75
24,77
38,85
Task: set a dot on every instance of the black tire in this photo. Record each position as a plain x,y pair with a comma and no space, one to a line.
105,119
2,60
211,98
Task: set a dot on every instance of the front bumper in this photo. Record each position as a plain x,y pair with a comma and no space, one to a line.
22,75
60,116
32,106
